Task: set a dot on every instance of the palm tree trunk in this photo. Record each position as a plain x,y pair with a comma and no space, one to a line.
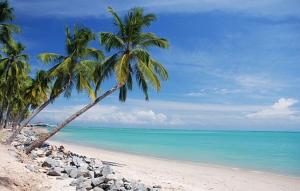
41,140
34,113
26,121
7,116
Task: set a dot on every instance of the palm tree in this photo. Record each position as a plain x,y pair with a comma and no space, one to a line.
34,94
131,58
14,69
6,29
72,69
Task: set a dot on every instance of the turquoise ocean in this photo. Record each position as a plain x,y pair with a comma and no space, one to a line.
276,152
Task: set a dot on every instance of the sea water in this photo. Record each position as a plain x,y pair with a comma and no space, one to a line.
277,152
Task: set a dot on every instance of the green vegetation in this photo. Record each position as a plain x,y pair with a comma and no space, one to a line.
82,67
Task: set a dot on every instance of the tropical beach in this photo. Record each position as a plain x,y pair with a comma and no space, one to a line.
149,95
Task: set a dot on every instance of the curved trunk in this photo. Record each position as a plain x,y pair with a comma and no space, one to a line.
42,139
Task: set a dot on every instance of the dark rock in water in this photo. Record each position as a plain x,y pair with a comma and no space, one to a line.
97,181
106,170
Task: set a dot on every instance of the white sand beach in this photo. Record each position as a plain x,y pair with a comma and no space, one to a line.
178,175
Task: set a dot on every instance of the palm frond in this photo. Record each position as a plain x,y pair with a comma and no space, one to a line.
149,75
122,69
110,40
48,58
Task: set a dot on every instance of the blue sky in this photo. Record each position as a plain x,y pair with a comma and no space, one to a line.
232,64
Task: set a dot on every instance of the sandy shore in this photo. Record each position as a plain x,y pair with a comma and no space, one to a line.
178,175
15,177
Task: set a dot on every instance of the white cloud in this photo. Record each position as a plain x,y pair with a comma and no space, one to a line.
213,91
107,114
281,109
95,8
159,113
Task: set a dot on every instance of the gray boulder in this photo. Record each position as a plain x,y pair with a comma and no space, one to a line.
97,172
83,171
55,171
106,170
73,173
97,189
49,162
31,168
87,184
97,181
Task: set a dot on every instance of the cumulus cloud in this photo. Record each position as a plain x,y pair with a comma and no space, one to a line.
158,113
281,109
106,114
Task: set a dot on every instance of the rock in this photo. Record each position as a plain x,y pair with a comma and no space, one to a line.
113,177
33,155
76,161
67,169
127,186
91,174
40,153
82,184
105,186
87,160
98,189
97,163
106,170
73,183
49,162
55,172
97,181
97,173
87,184
31,168
83,171
73,173
157,186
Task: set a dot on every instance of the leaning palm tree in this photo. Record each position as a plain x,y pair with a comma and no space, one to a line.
131,59
72,69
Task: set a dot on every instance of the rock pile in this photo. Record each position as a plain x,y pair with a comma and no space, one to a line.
84,173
